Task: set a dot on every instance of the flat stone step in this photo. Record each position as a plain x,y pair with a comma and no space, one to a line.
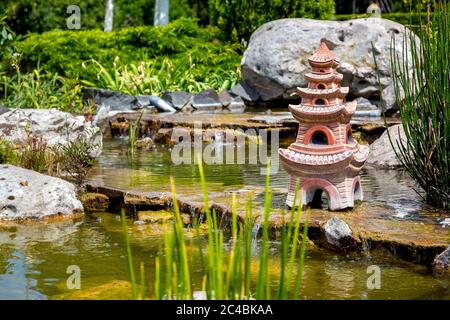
373,226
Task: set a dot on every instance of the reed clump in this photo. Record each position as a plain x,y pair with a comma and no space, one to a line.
226,269
422,89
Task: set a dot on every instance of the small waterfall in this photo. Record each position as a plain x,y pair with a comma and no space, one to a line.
109,13
161,13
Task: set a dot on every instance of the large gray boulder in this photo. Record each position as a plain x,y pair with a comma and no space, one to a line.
381,152
51,125
26,194
276,59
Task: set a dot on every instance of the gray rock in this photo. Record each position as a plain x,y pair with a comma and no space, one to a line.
26,194
337,233
177,99
246,92
207,100
53,126
381,152
236,105
143,102
188,108
225,98
441,263
364,104
117,101
275,61
161,105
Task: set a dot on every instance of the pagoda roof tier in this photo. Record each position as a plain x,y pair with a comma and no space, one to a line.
327,77
315,159
304,164
334,113
322,149
340,92
323,57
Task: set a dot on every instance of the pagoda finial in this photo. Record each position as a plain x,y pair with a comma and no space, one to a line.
322,54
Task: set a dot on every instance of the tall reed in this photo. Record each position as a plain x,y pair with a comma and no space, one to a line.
422,89
133,135
226,272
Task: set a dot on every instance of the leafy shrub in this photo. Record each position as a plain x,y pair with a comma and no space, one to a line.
239,18
181,54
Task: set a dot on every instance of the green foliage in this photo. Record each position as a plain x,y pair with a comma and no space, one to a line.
7,152
180,55
239,18
156,77
422,90
413,18
7,43
40,90
39,16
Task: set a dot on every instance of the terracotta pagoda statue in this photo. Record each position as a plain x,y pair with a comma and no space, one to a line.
324,158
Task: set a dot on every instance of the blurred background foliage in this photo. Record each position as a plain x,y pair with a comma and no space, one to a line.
43,64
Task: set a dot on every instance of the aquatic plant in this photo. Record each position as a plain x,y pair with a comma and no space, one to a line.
422,90
133,135
75,158
226,271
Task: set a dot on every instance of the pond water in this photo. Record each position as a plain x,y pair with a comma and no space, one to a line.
34,257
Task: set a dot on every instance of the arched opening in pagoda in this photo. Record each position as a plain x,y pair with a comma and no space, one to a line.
320,102
319,137
322,86
320,193
317,198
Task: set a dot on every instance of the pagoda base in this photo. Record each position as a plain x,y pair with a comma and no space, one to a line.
341,192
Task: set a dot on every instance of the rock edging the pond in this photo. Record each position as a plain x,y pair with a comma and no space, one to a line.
51,126
26,194
171,102
331,230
